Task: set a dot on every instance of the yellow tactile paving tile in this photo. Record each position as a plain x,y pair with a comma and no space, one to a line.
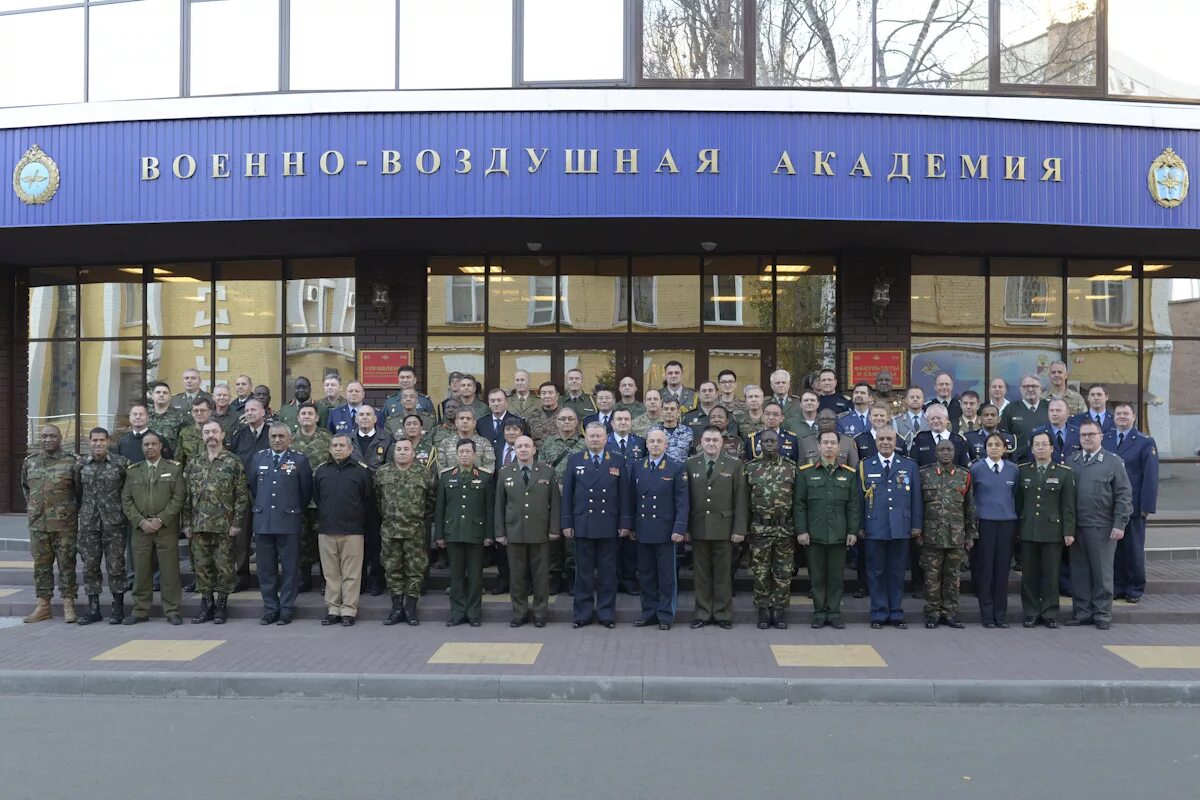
801,600
827,655
486,653
16,565
504,598
8,592
160,650
1158,656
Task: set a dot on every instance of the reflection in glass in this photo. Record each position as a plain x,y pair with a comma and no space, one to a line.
314,357
1101,298
166,360
457,294
947,295
455,44
52,396
110,383
599,367
58,75
685,40
574,40
321,296
746,363
179,301
1048,43
133,50
666,294
1172,402
942,45
1177,484
1026,295
53,309
803,357
522,294
367,62
110,303
962,358
1011,358
1135,65
258,358
817,44
654,362
805,294
1112,362
446,354
535,362
736,293
593,293
253,302
234,46
1171,297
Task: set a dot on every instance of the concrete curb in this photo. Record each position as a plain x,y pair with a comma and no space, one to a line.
620,689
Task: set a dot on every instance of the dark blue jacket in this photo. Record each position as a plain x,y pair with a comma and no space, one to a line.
661,502
867,448
892,506
341,420
486,428
789,446
1107,423
1140,455
852,425
995,495
595,500
635,448
596,418
279,495
1070,434
977,444
923,452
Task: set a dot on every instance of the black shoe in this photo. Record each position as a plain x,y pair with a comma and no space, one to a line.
1133,599
1120,596
410,610
157,586
608,623
697,623
93,611
764,619
724,624
454,623
501,587
664,626
118,609
1002,625
954,622
517,622
901,624
581,623
1074,622
876,626
779,619
305,585
347,622
220,609
331,619
376,587
641,623
474,623
134,620
989,624
1050,622
269,618
859,594
931,623
397,614
538,622
1016,567
817,624
284,619
837,624
1029,622
1103,626
174,619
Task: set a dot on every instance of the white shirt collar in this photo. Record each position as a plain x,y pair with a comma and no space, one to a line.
366,435
991,463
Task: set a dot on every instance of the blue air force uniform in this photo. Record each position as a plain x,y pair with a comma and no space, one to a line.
977,444
281,486
1105,418
1065,442
852,423
867,447
660,508
892,509
633,451
595,503
1140,455
342,419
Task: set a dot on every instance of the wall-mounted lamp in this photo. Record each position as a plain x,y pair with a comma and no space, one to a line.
708,247
881,297
381,300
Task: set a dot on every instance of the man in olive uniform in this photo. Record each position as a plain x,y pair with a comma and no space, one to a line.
394,422
526,521
153,496
522,400
464,428
462,524
191,391
313,441
771,480
289,413
885,393
406,494
576,398
211,519
1046,508
191,438
951,527
51,497
554,451
333,398
165,420
825,512
406,379
102,524
223,410
716,521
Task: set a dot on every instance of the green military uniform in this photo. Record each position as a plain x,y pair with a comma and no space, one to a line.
799,426
635,408
733,446
228,421
1046,507
478,406
48,482
525,406
191,444
168,424
324,406
316,449
394,424
827,507
771,481
642,423
485,454
1073,399
527,515
543,424
102,522
747,427
462,519
717,513
406,499
287,414
183,401
217,499
555,451
950,520
440,434
155,491
583,405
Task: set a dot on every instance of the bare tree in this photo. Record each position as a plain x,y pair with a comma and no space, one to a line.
701,39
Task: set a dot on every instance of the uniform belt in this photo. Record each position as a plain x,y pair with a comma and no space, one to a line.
769,519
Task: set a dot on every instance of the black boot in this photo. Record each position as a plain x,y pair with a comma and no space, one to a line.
93,611
780,619
397,614
220,612
205,614
410,611
764,619
118,609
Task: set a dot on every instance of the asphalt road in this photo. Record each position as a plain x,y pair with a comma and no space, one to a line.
180,749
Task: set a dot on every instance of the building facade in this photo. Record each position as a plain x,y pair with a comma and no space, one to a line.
609,185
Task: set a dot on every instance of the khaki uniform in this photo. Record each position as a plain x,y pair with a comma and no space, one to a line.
527,515
718,511
463,520
155,491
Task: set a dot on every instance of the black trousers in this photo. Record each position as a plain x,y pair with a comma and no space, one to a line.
994,552
595,579
277,560
1039,578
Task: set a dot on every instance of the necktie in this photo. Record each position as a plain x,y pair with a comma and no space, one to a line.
604,420
710,466
596,461
277,461
508,455
887,468
916,422
1059,440
937,439
1041,471
622,447
1120,439
862,421
996,468
1087,459
525,475
495,424
1098,422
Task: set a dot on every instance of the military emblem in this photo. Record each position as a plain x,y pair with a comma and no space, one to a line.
1168,179
35,180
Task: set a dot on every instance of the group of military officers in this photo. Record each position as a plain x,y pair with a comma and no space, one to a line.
590,493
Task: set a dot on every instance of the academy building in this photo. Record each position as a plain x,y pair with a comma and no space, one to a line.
285,188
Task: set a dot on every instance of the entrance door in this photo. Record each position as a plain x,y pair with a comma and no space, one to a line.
750,357
547,358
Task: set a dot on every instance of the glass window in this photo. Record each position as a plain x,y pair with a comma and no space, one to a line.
1172,398
535,362
813,44
110,302
805,294
947,295
942,45
133,50
802,356
599,367
654,364
369,60
1136,66
53,310
1113,362
258,358
1048,43
962,358
746,363
320,296
1010,359
42,60
1026,295
666,293
52,397
455,44
110,384
573,40
1101,298
179,301
593,293
737,293
1171,298
314,357
685,40
250,296
446,354
522,294
457,293
166,359
235,46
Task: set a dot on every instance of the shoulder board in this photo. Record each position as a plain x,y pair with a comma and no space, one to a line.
1062,466
361,464
807,466
847,467
171,461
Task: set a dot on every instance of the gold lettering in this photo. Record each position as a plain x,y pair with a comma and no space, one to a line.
935,165
708,160
339,163
177,166
784,163
391,162
502,169
821,164
293,164
464,161
1014,168
256,165
627,162
667,162
535,158
1053,170
150,170
428,162
899,167
972,168
220,165
860,167
581,162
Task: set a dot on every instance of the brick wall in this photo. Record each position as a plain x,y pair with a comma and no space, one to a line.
856,278
405,276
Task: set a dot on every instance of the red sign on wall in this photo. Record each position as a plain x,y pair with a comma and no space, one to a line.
377,368
863,365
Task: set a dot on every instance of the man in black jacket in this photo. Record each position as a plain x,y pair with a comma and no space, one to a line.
245,442
343,489
372,445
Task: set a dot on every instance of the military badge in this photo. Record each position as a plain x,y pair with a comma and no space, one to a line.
36,177
1168,179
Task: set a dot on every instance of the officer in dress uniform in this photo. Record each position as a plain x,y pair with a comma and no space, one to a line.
789,443
659,487
463,525
716,521
595,513
825,509
1064,434
892,514
1046,507
989,416
1140,455
527,519
627,444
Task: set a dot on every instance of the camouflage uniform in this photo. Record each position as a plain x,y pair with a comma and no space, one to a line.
679,441
440,434
542,426
191,444
394,424
747,427
772,483
48,482
555,451
216,500
949,520
102,521
642,424
485,454
894,400
316,449
1074,400
405,498
733,446
167,425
